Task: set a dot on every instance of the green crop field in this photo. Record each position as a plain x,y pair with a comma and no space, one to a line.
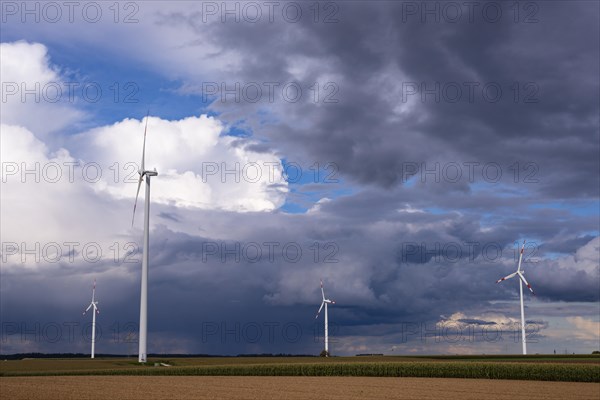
541,368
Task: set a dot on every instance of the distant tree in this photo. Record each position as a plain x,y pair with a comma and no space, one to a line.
324,354
596,352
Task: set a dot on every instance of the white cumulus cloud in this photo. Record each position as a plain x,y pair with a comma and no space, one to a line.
34,94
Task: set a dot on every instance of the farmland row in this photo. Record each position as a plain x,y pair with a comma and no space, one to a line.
424,369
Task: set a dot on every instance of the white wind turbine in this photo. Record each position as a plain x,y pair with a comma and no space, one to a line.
325,302
93,304
144,290
522,281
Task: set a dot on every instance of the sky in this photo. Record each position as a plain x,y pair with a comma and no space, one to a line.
399,151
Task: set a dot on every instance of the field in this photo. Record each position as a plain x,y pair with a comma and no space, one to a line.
541,368
261,387
537,377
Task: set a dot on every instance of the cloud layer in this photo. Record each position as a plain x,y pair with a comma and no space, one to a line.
432,191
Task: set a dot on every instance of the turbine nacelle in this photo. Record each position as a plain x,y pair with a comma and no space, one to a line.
147,172
95,305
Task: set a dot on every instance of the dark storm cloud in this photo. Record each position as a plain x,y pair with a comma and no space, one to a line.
377,47
565,245
196,296
172,216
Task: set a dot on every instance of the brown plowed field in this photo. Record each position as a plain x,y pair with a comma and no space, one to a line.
260,388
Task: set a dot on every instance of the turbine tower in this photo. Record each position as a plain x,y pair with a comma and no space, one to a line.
522,281
93,304
325,302
144,290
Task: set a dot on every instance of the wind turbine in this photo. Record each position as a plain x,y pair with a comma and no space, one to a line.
93,304
144,290
522,281
325,302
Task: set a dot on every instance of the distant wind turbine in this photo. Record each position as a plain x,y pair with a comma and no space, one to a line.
144,290
522,281
95,311
325,302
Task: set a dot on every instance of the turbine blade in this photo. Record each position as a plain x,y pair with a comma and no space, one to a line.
97,310
507,277
526,283
87,309
521,256
320,308
143,167
322,291
136,197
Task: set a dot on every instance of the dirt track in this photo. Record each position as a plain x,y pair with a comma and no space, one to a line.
232,387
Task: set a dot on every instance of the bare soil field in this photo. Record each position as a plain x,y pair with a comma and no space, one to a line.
234,387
